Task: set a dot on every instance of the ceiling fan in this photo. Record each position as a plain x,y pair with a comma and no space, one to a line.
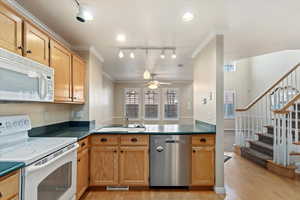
152,83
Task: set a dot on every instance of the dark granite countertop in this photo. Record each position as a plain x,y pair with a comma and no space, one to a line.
8,167
172,129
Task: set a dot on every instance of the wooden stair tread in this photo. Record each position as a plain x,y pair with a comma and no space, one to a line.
262,144
266,135
295,154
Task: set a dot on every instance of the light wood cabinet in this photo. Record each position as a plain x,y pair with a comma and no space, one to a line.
78,79
203,165
9,186
104,166
36,44
134,166
61,61
11,30
82,172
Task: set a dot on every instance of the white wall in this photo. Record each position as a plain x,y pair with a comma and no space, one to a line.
185,98
209,78
99,93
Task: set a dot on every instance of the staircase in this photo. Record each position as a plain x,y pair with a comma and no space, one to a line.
268,128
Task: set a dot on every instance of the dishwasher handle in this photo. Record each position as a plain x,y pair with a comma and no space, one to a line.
172,141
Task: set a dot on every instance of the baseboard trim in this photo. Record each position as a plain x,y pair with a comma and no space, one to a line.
220,190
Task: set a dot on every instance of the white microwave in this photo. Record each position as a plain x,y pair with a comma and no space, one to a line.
22,79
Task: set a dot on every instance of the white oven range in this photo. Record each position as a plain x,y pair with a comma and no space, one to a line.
50,163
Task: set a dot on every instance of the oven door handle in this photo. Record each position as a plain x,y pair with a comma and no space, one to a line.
33,168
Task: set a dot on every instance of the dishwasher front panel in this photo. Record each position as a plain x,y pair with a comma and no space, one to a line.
170,160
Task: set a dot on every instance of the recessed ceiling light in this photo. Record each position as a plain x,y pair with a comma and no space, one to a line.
121,38
162,55
187,17
174,55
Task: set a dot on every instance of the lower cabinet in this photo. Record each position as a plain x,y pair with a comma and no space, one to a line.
134,166
117,163
82,172
104,166
203,165
9,186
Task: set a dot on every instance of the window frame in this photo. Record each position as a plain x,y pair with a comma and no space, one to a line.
138,90
159,105
234,105
164,98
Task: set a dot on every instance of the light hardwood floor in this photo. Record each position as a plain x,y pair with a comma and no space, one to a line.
244,181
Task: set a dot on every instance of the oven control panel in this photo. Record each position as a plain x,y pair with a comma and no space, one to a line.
14,124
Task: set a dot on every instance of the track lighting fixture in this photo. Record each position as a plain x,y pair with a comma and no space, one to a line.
162,55
121,54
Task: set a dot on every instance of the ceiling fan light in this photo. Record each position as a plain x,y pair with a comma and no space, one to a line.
152,86
121,54
147,75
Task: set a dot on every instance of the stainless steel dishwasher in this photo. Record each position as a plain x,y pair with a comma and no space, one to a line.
170,160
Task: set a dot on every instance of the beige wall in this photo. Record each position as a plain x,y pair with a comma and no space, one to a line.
185,97
209,79
99,93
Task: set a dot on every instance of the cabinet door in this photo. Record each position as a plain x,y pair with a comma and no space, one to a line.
60,60
82,172
11,30
203,166
78,72
104,166
134,166
36,44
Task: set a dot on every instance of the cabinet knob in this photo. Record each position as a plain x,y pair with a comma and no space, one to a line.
194,151
74,97
83,144
28,51
134,139
122,151
20,47
103,140
115,151
78,160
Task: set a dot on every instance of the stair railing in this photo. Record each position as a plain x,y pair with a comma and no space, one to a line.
251,119
286,131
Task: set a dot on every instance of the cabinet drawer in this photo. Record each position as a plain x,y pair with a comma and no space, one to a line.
105,140
199,140
83,144
134,140
9,186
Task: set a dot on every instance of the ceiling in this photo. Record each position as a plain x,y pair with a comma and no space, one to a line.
250,28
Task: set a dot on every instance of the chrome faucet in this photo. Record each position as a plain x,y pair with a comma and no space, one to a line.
126,120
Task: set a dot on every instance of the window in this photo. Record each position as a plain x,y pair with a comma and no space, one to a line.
151,104
132,103
229,112
171,106
229,68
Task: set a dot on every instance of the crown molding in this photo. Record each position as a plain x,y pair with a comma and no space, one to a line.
96,53
36,21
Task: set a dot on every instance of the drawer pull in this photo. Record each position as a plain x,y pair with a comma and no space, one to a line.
194,151
202,140
20,47
122,151
28,51
134,139
78,160
103,140
83,144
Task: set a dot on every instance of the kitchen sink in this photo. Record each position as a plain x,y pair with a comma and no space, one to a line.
121,129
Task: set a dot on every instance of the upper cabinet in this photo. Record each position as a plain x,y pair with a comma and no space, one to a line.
61,61
11,30
36,44
78,77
